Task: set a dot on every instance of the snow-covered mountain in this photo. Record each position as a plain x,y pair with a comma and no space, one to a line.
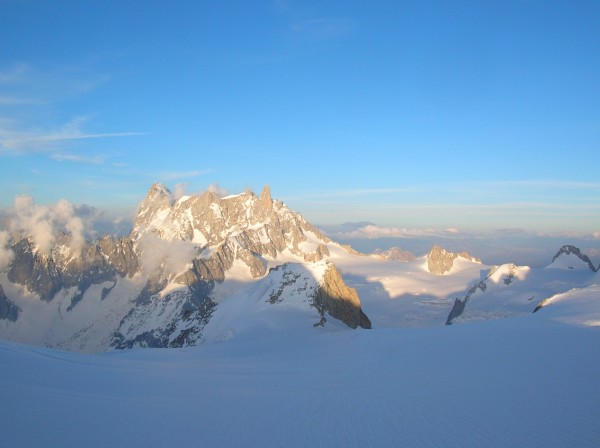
530,381
441,262
395,254
510,290
271,305
206,268
161,285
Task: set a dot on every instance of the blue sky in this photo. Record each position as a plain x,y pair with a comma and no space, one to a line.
416,114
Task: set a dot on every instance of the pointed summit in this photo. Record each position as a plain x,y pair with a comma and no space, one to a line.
440,261
265,195
265,199
571,257
158,188
158,198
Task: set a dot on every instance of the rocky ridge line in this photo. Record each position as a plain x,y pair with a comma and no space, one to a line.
440,261
572,250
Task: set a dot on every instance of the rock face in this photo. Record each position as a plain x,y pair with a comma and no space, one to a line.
440,261
395,254
8,310
160,280
46,275
573,253
242,227
459,304
510,290
340,301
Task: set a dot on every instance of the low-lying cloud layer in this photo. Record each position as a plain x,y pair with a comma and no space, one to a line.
43,223
172,256
372,231
492,246
6,255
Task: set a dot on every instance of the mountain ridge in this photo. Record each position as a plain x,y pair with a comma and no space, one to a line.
204,268
161,279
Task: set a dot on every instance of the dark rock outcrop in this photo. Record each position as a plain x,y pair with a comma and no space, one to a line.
395,254
440,261
62,268
459,304
8,310
572,250
340,301
178,249
34,270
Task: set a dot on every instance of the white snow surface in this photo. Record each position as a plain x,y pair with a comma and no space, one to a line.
87,327
516,290
405,294
527,381
578,306
278,304
569,261
393,294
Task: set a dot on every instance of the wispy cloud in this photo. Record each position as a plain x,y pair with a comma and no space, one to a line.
322,27
29,95
68,157
336,195
13,74
175,175
217,189
372,231
19,101
19,141
474,193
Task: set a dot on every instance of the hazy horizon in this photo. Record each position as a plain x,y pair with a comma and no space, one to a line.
475,117
492,246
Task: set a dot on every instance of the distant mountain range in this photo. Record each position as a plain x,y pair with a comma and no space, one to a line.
206,268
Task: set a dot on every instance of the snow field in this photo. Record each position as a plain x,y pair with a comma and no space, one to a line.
518,382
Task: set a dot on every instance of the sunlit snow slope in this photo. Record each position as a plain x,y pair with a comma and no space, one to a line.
528,381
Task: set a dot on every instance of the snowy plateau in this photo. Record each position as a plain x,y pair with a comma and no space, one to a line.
233,322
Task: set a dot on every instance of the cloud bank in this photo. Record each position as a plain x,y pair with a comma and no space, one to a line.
174,256
372,231
42,223
6,254
22,141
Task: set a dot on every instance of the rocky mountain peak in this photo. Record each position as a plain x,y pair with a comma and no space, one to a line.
341,301
156,285
8,310
440,261
265,200
394,254
158,198
572,252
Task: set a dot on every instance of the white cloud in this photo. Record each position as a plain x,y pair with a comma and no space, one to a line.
22,141
174,256
19,101
6,253
596,235
217,189
372,231
14,73
174,175
67,157
323,28
42,223
179,190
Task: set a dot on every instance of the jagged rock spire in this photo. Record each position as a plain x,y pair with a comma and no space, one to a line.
572,250
265,198
158,198
440,261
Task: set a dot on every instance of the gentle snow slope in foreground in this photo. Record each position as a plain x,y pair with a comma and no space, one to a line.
527,381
